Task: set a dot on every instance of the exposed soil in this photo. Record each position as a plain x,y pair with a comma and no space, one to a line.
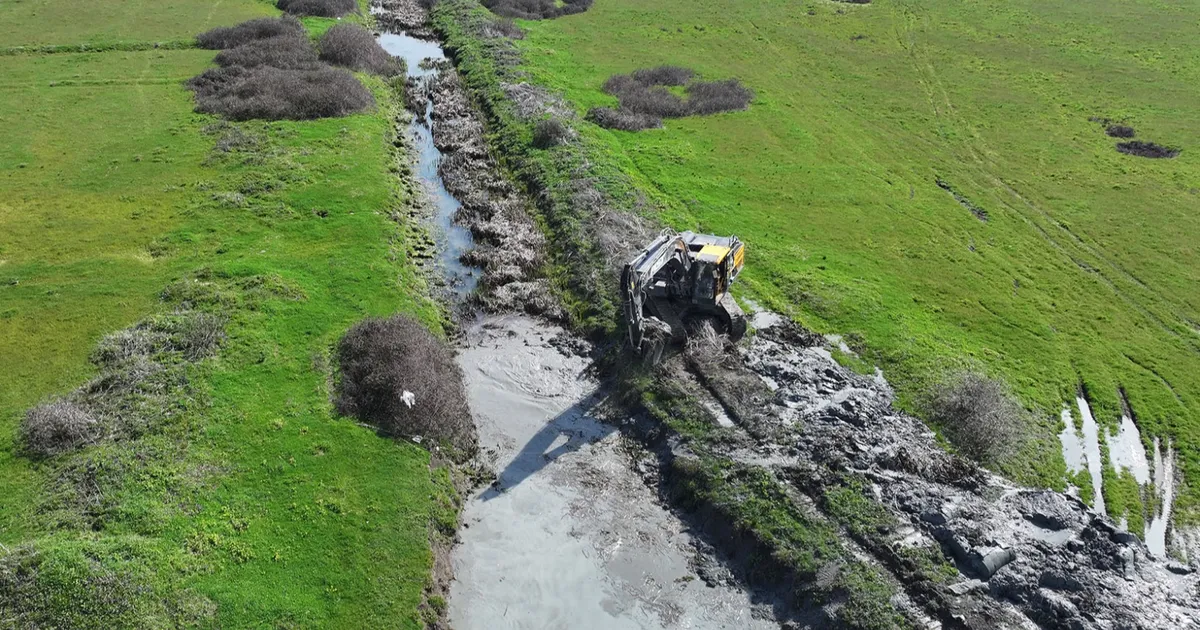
1146,149
979,212
1026,556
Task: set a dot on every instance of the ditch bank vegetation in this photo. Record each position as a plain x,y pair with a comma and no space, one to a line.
861,516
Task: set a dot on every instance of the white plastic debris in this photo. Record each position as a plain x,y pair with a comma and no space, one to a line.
409,398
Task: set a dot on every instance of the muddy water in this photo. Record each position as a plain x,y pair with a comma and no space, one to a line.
1164,486
569,536
1125,450
1091,453
452,240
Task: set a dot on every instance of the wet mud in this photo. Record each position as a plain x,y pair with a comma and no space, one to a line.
1026,557
569,535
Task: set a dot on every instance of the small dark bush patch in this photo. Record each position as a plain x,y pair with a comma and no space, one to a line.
1120,131
262,28
645,99
279,94
317,8
711,97
1146,149
400,378
57,427
503,28
622,120
663,75
278,77
549,133
284,51
354,47
536,9
979,415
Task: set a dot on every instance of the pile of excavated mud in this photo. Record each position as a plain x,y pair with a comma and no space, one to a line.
1025,555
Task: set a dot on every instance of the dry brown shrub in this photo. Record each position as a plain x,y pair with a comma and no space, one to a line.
284,51
57,427
317,8
381,359
279,94
352,46
978,414
262,28
622,120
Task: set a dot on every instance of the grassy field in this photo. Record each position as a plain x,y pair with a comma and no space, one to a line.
1085,271
270,510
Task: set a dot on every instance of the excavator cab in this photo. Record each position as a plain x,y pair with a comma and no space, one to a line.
679,282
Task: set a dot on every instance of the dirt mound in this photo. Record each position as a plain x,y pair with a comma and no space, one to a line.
1146,149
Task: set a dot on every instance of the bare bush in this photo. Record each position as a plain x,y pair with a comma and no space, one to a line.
711,97
262,28
654,101
57,427
706,348
643,93
400,378
664,75
536,9
1146,149
284,51
550,132
622,120
1120,131
317,8
279,94
978,414
354,47
503,28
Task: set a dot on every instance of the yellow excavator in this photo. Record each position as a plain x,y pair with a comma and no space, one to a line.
679,283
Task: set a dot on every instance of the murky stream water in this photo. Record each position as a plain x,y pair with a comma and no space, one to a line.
452,240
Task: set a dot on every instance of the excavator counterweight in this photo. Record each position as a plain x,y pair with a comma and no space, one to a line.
679,282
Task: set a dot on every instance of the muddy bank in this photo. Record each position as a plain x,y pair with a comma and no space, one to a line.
569,536
509,249
1024,556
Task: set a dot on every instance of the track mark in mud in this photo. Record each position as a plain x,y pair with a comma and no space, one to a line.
974,209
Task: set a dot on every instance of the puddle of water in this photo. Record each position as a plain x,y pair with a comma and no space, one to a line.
1164,485
1091,452
840,343
764,319
452,240
1072,444
413,51
1125,450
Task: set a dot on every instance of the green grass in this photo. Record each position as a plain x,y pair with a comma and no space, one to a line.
1085,270
45,22
262,505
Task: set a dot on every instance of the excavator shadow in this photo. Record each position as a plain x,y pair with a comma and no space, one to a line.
566,433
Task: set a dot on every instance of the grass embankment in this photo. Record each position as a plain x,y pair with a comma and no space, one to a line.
269,509
1085,268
